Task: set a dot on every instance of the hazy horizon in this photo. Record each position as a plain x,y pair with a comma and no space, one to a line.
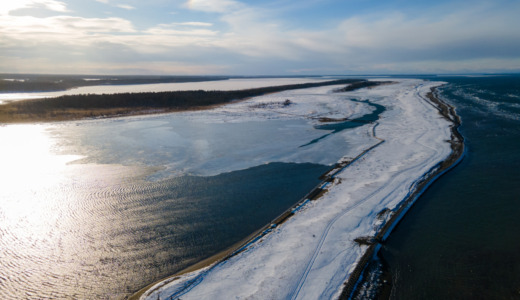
225,76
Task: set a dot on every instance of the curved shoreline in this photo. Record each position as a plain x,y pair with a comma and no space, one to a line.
415,189
420,186
242,245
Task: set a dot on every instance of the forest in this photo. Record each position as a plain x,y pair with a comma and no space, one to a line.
73,107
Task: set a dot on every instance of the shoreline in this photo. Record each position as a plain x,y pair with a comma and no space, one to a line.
95,106
313,195
242,245
354,277
358,277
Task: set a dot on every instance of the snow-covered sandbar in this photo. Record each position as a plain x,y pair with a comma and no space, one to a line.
312,254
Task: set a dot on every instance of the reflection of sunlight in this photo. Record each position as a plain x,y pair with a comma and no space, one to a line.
55,216
26,156
29,172
8,97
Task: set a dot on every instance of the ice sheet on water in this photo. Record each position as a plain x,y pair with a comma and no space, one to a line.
311,255
228,138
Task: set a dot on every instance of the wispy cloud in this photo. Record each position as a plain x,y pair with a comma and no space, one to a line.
170,29
125,6
43,65
52,5
59,30
245,39
195,24
218,6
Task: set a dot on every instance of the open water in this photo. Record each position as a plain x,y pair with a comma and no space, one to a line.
461,238
99,209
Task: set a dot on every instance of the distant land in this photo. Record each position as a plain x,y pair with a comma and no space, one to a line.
11,83
16,83
73,107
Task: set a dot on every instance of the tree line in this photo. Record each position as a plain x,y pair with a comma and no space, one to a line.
124,103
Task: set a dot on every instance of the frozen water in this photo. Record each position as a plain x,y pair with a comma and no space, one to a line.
313,253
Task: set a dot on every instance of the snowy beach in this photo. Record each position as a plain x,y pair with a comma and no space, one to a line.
312,254
148,196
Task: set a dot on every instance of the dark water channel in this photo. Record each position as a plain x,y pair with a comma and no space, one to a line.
336,127
461,238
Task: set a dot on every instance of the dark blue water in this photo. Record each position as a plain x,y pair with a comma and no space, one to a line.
106,241
349,124
461,240
148,196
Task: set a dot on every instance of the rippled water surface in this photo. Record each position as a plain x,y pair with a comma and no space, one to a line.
99,209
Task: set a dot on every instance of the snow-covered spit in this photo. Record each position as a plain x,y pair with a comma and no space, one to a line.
312,254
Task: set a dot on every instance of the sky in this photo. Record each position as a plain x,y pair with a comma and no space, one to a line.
259,37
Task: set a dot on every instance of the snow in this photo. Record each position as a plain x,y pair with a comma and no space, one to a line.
312,254
220,85
311,103
235,137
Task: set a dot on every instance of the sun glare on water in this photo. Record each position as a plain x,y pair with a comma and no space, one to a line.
56,215
27,158
36,201
30,171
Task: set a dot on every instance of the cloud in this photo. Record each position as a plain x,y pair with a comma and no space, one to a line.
59,30
473,38
43,65
165,30
196,24
252,40
459,35
52,5
49,4
177,34
216,6
124,6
